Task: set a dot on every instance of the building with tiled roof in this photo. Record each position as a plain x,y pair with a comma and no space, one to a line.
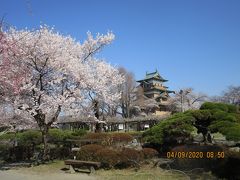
154,88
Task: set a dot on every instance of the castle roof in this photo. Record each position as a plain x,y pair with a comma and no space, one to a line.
153,75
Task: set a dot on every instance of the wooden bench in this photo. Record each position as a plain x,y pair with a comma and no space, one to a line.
73,164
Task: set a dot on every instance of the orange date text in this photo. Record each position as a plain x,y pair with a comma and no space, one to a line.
194,154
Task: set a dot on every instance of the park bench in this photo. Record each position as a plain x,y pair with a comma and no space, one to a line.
90,165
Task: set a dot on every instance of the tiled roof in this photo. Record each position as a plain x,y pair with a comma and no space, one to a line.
154,75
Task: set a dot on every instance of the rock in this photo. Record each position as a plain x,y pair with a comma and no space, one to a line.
134,144
234,149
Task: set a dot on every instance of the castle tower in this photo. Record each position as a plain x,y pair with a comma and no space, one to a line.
154,88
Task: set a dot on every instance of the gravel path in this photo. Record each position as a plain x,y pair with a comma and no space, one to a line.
23,175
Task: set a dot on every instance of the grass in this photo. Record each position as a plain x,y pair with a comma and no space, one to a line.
52,167
145,173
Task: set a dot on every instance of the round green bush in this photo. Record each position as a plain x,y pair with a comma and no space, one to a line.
79,132
178,126
230,108
29,137
212,106
211,118
58,135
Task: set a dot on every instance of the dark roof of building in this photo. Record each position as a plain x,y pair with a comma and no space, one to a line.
153,75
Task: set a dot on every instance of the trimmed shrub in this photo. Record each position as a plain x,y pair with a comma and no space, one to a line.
58,135
135,133
7,136
233,133
230,117
212,117
212,106
132,155
79,132
149,153
202,115
4,152
29,137
108,139
108,157
121,137
230,108
60,153
218,114
176,128
26,142
88,152
97,136
19,153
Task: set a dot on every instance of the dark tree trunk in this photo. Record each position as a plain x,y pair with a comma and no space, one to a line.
96,108
125,110
98,128
44,128
97,114
207,137
46,149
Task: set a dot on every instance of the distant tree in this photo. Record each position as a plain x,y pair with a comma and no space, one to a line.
231,95
186,99
127,92
142,105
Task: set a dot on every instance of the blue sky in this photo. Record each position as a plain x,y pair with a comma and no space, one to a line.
193,43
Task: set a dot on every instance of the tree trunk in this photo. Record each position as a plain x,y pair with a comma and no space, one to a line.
97,114
98,128
44,127
96,108
46,149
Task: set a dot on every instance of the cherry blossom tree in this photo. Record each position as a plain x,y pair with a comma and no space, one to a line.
63,73
142,105
12,71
